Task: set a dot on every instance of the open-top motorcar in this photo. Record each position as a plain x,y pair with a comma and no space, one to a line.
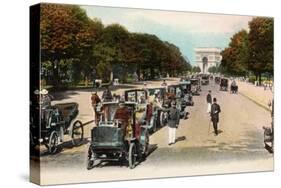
118,137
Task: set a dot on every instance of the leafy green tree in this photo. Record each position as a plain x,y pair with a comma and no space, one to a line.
66,31
196,69
261,46
213,69
235,56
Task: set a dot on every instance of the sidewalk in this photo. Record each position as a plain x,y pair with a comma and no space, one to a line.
256,93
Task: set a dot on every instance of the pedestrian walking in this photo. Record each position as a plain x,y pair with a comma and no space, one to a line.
209,101
173,122
215,110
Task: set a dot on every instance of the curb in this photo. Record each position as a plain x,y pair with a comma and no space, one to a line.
257,103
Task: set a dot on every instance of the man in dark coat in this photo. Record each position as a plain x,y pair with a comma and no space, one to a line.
209,101
215,110
173,122
107,96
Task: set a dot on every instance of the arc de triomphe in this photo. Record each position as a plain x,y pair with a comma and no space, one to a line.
207,57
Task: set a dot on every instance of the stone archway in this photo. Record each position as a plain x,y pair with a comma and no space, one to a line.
205,64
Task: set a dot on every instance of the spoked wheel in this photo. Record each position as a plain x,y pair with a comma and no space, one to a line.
154,125
92,158
162,119
132,155
145,146
77,133
53,142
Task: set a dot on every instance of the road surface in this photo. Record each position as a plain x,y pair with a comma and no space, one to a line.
238,148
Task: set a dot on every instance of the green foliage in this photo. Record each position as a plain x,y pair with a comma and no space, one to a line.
74,46
250,52
196,69
261,45
235,57
213,69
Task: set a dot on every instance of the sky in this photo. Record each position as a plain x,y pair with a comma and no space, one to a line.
187,30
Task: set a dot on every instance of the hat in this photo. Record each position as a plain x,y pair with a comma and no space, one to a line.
44,92
36,92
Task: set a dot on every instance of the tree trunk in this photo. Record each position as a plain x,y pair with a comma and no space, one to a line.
259,79
152,73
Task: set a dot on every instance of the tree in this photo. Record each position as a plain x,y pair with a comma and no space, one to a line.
196,69
261,46
66,32
235,56
213,69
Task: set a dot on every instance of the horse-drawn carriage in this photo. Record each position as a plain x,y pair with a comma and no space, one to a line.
56,121
119,137
195,86
223,84
233,87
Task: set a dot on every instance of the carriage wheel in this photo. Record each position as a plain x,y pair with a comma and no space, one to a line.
145,146
132,155
77,133
53,142
154,124
161,119
92,157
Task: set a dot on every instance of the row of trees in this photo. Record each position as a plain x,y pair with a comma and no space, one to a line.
75,48
250,52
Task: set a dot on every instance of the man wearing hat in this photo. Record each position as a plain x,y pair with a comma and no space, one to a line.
215,110
123,115
173,122
209,101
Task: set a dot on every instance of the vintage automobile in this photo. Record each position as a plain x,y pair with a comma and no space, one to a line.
217,80
186,89
144,107
205,79
161,95
195,86
118,139
176,94
56,121
223,84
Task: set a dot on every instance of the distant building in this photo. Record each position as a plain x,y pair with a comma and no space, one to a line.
207,57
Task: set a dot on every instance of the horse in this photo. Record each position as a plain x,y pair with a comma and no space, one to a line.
95,102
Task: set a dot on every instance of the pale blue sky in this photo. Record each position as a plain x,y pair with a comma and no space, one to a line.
184,29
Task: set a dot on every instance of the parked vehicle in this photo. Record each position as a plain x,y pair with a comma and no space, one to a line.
118,140
217,80
144,108
205,79
176,94
223,84
56,121
195,86
187,96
